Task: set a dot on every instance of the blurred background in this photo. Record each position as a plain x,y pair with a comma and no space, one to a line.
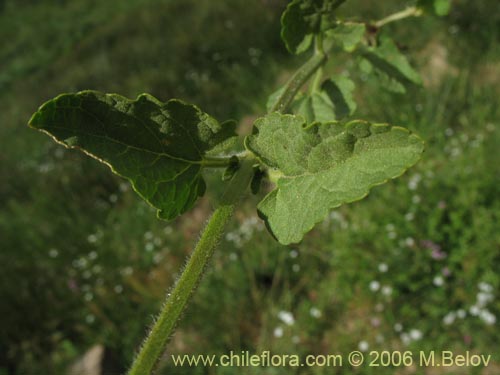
85,264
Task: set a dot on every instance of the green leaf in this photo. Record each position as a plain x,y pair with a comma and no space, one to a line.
321,166
159,147
392,66
349,34
334,101
302,19
340,89
438,7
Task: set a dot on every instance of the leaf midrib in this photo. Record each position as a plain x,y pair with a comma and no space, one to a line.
159,154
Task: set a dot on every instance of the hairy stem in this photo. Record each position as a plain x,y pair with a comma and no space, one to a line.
155,343
408,12
298,79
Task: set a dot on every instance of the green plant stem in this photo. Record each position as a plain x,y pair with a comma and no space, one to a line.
408,12
298,79
156,342
217,161
316,83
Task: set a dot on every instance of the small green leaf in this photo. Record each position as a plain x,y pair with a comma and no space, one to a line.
438,7
321,166
392,66
333,102
349,34
302,19
340,89
159,147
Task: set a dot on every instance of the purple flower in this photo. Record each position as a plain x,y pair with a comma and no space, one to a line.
436,252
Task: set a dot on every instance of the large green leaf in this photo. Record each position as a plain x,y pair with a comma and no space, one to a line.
392,66
321,166
159,147
303,19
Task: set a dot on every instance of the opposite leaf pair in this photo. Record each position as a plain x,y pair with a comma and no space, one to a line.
163,147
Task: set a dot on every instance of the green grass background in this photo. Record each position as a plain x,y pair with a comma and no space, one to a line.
414,266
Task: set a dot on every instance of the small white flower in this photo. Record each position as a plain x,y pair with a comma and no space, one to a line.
414,181
483,298
438,281
386,290
398,327
485,287
449,318
415,334
409,216
474,310
296,268
461,313
127,271
383,267
363,346
405,338
392,235
315,312
487,317
286,317
53,253
118,289
374,285
92,238
294,253
278,332
410,242
335,215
